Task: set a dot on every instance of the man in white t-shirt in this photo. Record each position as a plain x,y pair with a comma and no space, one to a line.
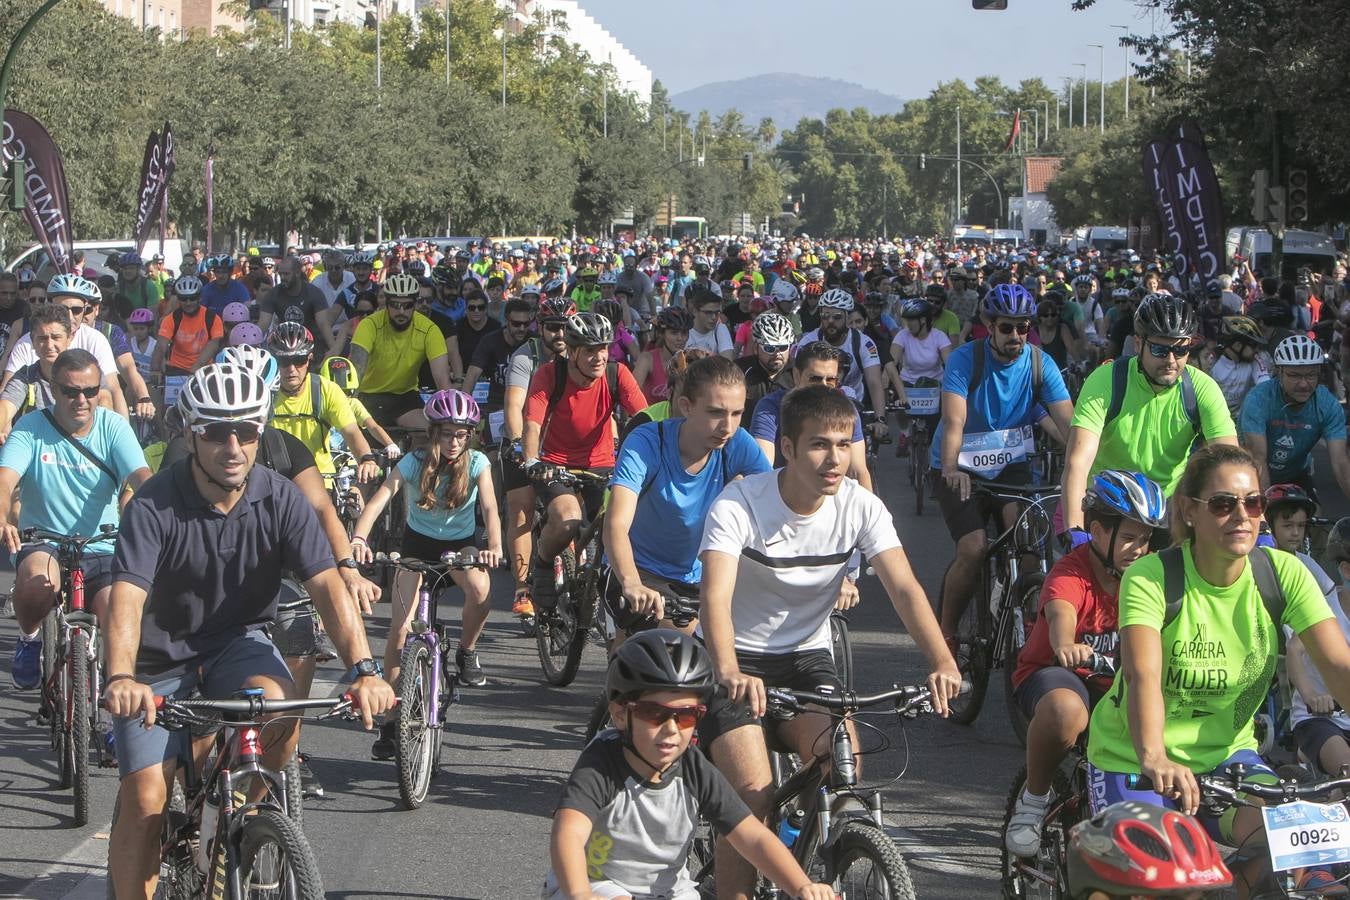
708,333
83,338
775,552
861,369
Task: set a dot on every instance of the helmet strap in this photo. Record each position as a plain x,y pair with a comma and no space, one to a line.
626,741
207,475
1109,560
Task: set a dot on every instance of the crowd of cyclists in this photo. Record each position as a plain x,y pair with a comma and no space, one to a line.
721,398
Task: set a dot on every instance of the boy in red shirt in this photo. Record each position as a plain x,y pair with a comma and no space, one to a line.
1053,683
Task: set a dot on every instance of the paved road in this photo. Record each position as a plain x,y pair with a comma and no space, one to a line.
484,831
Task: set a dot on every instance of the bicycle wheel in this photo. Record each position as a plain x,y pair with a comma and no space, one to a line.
275,859
1042,877
415,749
79,663
295,791
918,467
50,626
841,648
972,655
559,641
1028,594
864,863
599,717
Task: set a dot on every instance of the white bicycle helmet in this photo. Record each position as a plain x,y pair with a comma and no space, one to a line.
224,393
772,330
73,286
588,330
361,258
188,286
1082,279
784,291
1299,350
255,359
836,299
607,278
401,286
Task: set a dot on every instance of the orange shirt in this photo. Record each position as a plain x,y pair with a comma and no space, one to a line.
192,335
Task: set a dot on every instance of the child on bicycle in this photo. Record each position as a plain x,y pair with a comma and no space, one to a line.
447,479
340,371
1077,619
625,824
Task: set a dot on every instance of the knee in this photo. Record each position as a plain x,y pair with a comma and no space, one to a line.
142,797
971,546
1061,713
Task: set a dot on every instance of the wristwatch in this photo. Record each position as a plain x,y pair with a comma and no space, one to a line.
349,563
367,668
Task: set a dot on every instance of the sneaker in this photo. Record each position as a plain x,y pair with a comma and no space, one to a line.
26,670
541,585
108,759
324,651
522,606
1023,837
383,748
470,669
310,786
1320,881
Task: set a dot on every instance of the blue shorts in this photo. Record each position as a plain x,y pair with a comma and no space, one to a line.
218,677
1106,788
97,567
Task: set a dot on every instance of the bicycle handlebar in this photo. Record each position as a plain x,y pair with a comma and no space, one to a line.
66,542
1226,788
464,559
910,698
171,714
1025,491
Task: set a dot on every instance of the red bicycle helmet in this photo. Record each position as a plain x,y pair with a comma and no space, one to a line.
555,308
1134,848
1281,495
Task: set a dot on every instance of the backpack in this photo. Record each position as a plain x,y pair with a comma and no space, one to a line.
178,321
1120,375
661,457
560,387
1263,573
977,370
315,404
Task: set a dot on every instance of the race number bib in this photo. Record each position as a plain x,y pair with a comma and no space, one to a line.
922,401
173,384
480,392
1303,834
496,425
987,453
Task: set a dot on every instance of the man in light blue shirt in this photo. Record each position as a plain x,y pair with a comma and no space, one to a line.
71,462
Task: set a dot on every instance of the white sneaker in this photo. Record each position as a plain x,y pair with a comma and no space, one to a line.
1023,838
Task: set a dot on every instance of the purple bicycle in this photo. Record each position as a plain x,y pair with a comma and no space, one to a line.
425,688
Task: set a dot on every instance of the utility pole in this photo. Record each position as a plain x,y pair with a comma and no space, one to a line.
1101,49
7,68
1045,105
957,217
1084,65
1126,30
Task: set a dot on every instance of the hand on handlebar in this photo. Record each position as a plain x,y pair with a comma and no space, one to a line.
1074,656
745,687
490,557
816,892
1174,782
393,452
879,429
372,696
368,470
362,553
1322,704
644,601
958,482
848,595
127,698
365,592
944,683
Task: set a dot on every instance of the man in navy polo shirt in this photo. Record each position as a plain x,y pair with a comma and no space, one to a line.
195,580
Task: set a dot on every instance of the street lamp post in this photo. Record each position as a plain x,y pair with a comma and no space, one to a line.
1084,65
1045,105
1101,49
1126,30
447,43
22,35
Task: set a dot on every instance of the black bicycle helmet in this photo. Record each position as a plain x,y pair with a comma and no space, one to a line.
1165,315
674,318
661,659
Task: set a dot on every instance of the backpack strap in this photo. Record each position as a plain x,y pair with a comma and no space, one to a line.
1174,582
1189,404
1120,375
315,398
273,452
1263,573
1035,374
81,448
559,386
976,365
660,460
612,382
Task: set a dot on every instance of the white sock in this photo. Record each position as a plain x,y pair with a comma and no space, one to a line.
1032,798
34,636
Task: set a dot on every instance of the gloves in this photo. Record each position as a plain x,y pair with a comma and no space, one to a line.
393,452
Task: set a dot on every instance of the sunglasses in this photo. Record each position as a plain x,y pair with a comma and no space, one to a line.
70,393
775,348
292,362
1050,314
476,307
219,432
1221,505
396,304
658,714
76,310
1010,327
553,326
1162,351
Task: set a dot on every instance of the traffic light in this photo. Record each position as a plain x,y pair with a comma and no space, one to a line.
17,198
1260,186
1275,211
1297,184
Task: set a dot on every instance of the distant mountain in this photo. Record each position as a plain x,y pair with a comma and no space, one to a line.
783,97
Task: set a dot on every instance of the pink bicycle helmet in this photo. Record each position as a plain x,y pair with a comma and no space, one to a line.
141,316
234,313
246,334
452,407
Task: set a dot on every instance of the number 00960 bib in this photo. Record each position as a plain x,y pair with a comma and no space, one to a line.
987,453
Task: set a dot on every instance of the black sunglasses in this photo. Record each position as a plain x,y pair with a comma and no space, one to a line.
294,362
1223,504
403,304
219,432
1010,327
476,307
1162,351
70,393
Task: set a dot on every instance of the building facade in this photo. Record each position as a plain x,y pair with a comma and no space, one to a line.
577,27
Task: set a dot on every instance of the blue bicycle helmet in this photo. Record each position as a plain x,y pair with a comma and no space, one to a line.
1129,495
1010,300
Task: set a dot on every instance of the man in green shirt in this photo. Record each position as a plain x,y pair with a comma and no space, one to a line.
137,291
1151,430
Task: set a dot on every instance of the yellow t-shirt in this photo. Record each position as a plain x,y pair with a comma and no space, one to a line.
295,416
396,356
359,411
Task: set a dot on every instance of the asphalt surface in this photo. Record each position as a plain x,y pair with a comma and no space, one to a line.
484,829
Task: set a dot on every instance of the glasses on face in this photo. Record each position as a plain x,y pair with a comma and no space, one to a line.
1223,504
516,323
1162,351
1010,327
1309,377
292,362
219,432
70,393
400,304
460,435
76,310
658,714
1050,314
827,380
476,307
775,348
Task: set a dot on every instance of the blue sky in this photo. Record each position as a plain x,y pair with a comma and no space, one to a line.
901,47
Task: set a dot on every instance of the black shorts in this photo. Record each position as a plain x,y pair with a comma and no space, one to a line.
1052,678
295,629
513,473
964,517
416,545
808,670
592,492
1315,731
386,409
632,622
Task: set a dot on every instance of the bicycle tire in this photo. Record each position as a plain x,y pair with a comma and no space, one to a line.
864,842
557,636
841,648
295,791
918,453
972,655
414,751
295,861
49,630
1028,594
79,662
1049,861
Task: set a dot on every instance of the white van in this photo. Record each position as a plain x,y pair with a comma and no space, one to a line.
100,256
1310,249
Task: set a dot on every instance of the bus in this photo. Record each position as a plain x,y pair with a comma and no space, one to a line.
688,228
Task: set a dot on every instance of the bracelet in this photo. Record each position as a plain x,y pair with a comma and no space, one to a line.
121,676
143,400
369,457
357,538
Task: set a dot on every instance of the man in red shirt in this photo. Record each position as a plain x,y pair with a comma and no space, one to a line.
1055,683
569,424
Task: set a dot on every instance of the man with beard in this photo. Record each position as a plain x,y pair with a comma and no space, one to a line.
492,357
388,350
295,299
766,369
1148,409
860,367
475,326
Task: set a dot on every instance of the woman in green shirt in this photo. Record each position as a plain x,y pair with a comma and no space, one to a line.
1195,671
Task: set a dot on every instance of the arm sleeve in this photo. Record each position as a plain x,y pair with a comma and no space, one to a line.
536,401
630,470
857,426
302,457
591,786
723,338
518,375
1333,418
744,455
871,357
1089,413
1252,416
1141,594
139,543
17,389
1304,603
878,533
166,328
956,375
433,343
124,450
727,529
119,342
1052,382
337,409
217,329
16,452
764,423
1215,420
306,548
102,351
630,395
22,354
1064,583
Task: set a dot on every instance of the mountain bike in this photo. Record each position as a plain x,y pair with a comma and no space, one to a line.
561,632
997,620
217,842
832,821
923,404
72,666
872,443
346,496
425,689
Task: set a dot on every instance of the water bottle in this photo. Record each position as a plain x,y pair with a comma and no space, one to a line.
790,827
844,763
210,813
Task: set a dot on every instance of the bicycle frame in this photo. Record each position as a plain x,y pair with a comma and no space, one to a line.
1005,553
425,629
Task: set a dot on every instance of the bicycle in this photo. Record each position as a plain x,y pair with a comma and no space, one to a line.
560,632
996,622
346,496
216,842
72,667
425,691
834,824
923,405
872,443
